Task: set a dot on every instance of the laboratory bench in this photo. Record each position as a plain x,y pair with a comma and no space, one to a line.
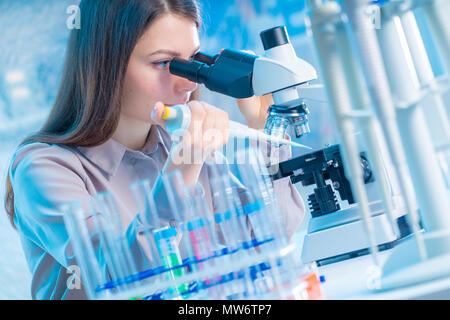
352,279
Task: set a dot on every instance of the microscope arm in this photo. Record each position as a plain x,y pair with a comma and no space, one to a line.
270,75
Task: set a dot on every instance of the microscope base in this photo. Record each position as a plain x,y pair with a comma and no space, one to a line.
344,236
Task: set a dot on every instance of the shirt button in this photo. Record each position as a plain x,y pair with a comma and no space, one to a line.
133,161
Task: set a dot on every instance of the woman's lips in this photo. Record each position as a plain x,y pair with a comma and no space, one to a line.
171,105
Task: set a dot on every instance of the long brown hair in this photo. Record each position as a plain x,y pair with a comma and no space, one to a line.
87,107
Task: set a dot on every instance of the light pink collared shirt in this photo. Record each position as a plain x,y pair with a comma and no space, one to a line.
45,177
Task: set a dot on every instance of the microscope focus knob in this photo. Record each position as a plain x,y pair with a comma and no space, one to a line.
323,201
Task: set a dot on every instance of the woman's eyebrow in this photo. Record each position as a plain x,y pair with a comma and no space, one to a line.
170,52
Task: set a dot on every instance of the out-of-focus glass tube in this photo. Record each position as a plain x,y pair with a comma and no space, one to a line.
100,245
205,243
183,218
179,203
232,229
146,209
266,222
167,245
84,242
256,210
261,207
227,206
145,206
199,225
113,242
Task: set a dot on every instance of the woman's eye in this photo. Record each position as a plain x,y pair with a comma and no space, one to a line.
162,64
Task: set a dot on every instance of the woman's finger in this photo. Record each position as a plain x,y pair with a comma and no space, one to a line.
198,114
209,126
157,114
249,52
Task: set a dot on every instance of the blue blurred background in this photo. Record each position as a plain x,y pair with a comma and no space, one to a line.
32,47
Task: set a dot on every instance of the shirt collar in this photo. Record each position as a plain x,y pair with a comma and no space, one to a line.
109,155
157,137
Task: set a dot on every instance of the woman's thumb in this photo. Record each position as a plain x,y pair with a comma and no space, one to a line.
157,114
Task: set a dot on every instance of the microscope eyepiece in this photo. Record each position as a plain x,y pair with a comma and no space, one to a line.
189,69
205,58
274,37
229,72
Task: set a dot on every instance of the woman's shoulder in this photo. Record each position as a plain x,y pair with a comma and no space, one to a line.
41,153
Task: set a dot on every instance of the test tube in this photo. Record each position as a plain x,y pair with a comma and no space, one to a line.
234,228
225,200
77,218
113,242
260,207
205,242
146,209
178,199
265,218
232,231
179,203
100,245
167,245
199,224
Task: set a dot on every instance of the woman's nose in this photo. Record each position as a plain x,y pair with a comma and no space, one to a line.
184,85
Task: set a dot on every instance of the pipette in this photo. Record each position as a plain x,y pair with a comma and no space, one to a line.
178,119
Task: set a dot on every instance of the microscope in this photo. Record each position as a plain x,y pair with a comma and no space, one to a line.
333,233
241,75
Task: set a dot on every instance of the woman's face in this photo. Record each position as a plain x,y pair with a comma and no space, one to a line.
148,79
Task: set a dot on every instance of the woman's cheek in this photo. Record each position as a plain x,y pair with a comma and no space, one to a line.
162,86
154,86
143,88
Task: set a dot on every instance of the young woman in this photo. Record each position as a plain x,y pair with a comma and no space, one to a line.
100,134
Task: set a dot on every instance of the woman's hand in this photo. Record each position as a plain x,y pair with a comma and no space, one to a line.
255,109
208,131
